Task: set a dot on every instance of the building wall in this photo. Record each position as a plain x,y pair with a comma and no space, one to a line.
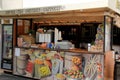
0,42
87,5
0,4
69,4
11,4
113,5
78,3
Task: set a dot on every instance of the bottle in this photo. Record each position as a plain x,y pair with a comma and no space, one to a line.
89,46
116,55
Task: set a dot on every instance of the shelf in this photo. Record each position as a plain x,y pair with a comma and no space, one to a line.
83,51
76,50
35,48
7,58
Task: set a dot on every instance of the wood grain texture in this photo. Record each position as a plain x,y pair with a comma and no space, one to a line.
109,66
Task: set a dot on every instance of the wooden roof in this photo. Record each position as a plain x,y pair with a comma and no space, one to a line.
72,16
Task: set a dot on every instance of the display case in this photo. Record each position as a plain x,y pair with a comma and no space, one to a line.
7,43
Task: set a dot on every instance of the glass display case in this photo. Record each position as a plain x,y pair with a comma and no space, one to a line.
7,37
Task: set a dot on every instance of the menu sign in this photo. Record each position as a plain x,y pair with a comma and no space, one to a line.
6,21
32,10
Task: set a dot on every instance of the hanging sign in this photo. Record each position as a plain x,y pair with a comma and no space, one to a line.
6,21
32,10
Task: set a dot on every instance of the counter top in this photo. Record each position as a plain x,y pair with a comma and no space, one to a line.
84,51
76,50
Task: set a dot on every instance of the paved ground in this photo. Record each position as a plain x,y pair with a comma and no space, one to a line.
11,77
4,76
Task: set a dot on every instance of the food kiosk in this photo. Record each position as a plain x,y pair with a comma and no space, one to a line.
58,44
